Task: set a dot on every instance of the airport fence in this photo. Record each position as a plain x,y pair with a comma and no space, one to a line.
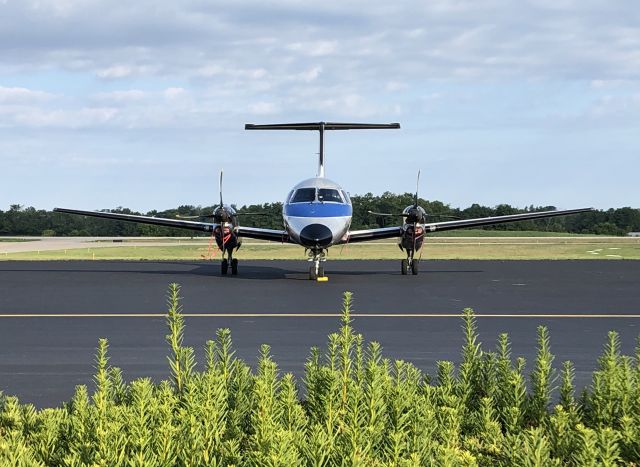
360,409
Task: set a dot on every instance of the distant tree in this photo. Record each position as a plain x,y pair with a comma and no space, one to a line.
19,220
607,228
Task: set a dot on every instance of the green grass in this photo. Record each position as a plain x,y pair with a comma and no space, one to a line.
435,248
4,239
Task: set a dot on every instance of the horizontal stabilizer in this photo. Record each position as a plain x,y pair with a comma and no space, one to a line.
317,126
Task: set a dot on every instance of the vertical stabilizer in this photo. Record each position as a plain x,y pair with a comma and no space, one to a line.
321,152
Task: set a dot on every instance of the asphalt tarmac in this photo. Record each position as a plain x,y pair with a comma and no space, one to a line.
52,313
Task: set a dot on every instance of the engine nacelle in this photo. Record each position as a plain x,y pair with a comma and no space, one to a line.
226,237
412,236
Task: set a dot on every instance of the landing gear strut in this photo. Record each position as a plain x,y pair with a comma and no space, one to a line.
410,264
316,270
233,262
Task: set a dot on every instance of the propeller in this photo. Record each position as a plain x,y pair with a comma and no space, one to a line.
220,185
415,199
419,212
407,214
201,216
220,214
414,214
211,216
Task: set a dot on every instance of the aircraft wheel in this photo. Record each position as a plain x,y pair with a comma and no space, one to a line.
234,266
405,266
414,267
320,271
312,273
224,267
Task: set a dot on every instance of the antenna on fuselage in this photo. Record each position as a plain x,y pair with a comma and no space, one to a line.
321,127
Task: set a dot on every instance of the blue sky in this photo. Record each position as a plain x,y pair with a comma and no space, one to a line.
140,104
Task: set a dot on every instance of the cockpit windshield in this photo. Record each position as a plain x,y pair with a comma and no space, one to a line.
329,195
346,197
304,195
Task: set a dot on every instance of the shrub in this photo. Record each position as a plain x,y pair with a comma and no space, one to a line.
360,409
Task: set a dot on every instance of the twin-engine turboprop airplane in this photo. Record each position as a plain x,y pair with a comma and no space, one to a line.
317,215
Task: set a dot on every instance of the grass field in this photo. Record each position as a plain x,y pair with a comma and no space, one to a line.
516,248
5,239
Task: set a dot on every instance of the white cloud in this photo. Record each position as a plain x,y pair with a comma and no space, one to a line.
263,108
130,95
611,107
174,93
314,48
185,60
19,95
71,119
311,74
122,71
396,86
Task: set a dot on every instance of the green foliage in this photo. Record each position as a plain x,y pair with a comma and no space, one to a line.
542,380
19,220
359,409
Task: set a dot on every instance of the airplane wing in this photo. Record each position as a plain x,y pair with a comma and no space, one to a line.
249,232
264,234
179,223
391,232
356,236
465,223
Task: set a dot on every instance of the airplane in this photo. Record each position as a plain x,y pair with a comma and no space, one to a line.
317,215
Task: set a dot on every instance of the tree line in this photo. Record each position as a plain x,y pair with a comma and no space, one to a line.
19,220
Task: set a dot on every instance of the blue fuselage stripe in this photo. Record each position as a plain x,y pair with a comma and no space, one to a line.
317,210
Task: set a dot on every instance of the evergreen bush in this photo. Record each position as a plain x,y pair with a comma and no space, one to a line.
360,409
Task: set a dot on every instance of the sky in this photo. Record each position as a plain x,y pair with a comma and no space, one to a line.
141,103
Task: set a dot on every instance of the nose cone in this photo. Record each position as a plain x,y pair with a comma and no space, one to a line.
316,235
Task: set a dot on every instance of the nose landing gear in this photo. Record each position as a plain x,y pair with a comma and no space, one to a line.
316,270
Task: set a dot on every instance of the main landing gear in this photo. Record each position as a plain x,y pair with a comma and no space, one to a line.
410,264
233,262
316,270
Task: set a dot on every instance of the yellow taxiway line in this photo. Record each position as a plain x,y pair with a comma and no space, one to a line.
317,315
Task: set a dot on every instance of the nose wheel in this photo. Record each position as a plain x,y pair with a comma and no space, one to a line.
316,270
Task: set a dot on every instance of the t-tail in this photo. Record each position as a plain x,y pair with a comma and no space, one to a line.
321,127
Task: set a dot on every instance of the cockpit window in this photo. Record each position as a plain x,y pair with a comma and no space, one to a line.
329,195
304,195
346,196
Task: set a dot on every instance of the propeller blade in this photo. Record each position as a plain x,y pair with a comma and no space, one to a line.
445,216
203,216
221,172
415,200
386,214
